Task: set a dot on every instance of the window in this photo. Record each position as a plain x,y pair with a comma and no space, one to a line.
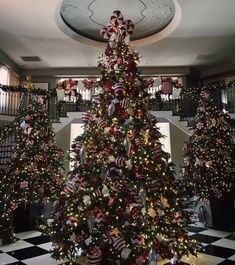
4,75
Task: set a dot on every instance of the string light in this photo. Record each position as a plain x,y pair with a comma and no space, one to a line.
34,171
209,167
126,158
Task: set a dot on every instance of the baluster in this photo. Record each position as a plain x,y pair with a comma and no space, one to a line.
20,105
28,100
83,94
0,100
87,94
55,101
48,107
154,91
17,102
10,94
151,92
93,92
52,101
3,101
14,103
7,103
50,104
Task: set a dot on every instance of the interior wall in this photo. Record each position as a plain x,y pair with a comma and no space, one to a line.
164,127
222,77
52,81
178,138
94,71
4,59
63,142
193,79
217,72
173,142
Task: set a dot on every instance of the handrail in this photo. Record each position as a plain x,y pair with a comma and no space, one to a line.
6,149
13,102
9,102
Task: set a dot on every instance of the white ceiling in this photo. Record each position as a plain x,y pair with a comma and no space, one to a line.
87,18
205,36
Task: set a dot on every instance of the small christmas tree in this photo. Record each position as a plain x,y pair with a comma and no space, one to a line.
122,202
209,167
35,168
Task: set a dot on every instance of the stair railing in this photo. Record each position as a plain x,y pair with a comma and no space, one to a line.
9,102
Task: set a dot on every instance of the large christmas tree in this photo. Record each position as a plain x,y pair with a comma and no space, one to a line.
122,202
209,170
6,227
35,169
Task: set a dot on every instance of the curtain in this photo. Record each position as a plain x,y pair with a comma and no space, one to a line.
8,101
8,77
13,78
4,75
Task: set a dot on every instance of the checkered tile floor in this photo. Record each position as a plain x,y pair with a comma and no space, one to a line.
33,248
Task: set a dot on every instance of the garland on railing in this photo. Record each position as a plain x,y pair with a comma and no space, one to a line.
86,103
7,129
194,92
222,85
34,91
60,107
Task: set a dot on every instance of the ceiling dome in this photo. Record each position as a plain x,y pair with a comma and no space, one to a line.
153,19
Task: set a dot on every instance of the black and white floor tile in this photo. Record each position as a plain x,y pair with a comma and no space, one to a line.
33,248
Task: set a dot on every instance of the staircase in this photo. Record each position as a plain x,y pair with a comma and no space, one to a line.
63,113
175,120
6,148
11,104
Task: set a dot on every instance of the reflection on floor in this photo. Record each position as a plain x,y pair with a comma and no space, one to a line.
33,248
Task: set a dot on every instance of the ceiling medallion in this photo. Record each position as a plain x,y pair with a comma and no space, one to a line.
83,19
